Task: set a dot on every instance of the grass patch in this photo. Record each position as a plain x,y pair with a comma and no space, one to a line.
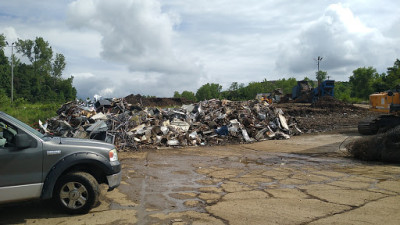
31,113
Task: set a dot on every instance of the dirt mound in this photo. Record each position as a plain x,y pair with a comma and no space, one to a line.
155,102
324,115
381,147
333,105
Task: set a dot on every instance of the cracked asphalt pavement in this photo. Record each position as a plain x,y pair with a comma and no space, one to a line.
307,179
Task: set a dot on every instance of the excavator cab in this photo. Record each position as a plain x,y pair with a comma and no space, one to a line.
394,107
387,103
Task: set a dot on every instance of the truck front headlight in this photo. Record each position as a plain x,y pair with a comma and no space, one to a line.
113,155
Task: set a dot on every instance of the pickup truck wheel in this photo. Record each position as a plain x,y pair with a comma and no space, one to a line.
77,193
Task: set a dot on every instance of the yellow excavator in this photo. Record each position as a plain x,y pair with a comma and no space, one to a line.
387,103
264,97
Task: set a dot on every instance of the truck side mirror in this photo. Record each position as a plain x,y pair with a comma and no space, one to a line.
22,141
390,93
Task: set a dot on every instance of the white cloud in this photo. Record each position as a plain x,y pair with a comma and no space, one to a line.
83,75
139,35
107,92
155,47
134,32
346,17
342,39
11,34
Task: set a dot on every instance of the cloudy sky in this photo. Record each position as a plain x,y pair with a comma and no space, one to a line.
155,47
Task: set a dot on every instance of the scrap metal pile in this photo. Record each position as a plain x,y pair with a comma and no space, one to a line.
212,122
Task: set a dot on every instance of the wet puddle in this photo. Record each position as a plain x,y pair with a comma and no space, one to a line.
173,182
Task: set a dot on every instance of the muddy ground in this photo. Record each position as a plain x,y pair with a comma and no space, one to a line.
326,114
307,179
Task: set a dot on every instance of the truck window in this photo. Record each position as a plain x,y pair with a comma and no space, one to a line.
8,134
25,126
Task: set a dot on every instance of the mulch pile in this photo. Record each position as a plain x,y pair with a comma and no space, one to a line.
155,102
332,104
324,115
382,147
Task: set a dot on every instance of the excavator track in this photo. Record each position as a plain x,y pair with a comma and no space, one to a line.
378,124
368,126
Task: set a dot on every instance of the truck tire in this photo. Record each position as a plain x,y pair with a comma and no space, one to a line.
77,192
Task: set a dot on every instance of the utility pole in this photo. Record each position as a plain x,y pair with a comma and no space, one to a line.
12,70
319,59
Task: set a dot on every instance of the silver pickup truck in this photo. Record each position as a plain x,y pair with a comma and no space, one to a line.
69,170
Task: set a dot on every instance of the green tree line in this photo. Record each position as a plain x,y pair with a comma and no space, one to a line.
363,82
39,80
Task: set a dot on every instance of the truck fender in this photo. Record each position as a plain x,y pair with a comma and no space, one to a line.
69,161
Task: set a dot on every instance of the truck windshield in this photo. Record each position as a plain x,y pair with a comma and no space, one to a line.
19,123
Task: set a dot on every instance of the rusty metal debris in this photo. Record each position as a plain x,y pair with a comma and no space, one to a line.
212,122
